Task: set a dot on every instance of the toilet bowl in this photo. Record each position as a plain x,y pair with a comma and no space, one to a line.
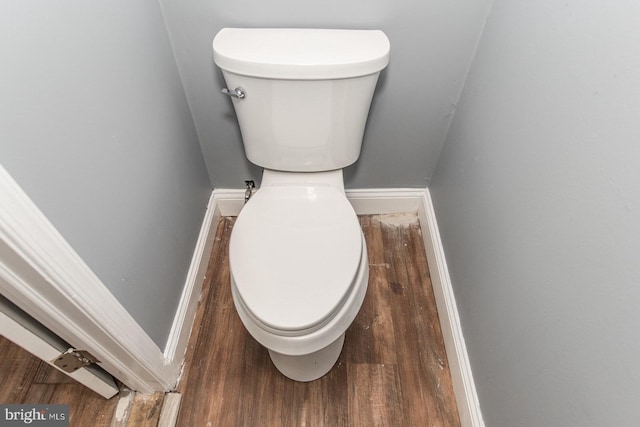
297,255
299,270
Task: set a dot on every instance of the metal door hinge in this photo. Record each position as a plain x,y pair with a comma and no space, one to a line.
72,360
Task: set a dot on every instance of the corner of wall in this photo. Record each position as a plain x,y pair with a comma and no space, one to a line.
461,375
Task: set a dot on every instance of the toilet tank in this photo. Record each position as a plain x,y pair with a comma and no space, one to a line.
307,92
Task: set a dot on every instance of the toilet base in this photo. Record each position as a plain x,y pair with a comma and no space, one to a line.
308,367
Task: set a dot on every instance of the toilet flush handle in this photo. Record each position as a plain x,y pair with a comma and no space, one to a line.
235,93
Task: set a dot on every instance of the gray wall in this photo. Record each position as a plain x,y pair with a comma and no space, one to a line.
95,127
432,43
537,195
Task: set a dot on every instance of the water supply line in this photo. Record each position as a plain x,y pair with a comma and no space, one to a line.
248,192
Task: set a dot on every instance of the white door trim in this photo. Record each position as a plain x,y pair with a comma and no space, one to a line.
45,277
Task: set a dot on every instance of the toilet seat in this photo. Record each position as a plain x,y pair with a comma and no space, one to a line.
294,254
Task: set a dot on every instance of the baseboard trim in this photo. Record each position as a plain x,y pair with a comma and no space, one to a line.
178,340
364,201
229,202
461,375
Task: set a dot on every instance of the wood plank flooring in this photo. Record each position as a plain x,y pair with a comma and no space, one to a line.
393,369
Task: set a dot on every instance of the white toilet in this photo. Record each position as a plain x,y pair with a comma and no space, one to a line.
298,258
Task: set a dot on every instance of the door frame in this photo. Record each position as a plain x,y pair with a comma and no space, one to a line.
45,277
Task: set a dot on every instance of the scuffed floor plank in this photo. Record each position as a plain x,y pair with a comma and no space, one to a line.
145,411
375,397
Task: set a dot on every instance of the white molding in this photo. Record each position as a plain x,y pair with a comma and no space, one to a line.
229,201
178,340
44,276
225,202
384,200
364,201
461,375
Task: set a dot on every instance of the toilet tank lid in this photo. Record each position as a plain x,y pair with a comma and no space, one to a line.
306,54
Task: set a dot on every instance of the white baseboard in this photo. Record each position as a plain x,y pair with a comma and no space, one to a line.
461,376
229,202
178,340
385,200
364,201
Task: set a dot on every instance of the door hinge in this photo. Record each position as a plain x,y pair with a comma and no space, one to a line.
72,360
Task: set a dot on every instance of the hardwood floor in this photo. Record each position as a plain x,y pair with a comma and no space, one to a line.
392,371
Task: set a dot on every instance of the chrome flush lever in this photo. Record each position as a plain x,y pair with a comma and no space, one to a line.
235,93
